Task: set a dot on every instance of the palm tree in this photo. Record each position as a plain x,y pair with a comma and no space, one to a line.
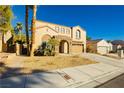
33,29
26,29
18,29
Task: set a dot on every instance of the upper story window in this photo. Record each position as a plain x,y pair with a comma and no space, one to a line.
67,31
57,28
78,34
62,30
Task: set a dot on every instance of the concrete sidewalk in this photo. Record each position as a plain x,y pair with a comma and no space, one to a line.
80,76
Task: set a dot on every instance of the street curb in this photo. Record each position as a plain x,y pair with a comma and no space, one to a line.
86,84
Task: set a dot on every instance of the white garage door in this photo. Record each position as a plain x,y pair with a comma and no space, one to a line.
102,50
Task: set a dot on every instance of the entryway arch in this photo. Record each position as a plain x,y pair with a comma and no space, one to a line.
64,47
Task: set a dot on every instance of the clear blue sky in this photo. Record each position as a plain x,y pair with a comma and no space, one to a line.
105,22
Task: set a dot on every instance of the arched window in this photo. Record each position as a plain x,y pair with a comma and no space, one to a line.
78,34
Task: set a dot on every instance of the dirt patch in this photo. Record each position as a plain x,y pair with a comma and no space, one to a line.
58,62
44,63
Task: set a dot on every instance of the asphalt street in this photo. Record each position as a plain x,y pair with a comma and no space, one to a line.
117,82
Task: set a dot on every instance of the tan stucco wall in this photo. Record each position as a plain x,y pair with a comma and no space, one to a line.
40,33
82,36
54,26
45,38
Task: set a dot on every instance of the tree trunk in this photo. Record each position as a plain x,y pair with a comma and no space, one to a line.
33,30
26,29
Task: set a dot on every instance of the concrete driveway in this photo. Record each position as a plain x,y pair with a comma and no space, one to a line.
104,59
81,76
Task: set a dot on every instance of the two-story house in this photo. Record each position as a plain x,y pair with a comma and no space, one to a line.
71,39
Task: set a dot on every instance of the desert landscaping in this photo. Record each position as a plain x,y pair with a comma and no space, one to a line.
29,65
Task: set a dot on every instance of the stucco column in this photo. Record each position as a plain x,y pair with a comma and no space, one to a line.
70,48
85,48
57,49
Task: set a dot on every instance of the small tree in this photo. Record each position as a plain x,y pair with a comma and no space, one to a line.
47,48
53,43
91,48
88,38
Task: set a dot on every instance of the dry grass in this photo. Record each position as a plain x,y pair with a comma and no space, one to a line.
44,63
58,62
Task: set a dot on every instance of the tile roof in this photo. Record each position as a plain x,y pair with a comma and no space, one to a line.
118,42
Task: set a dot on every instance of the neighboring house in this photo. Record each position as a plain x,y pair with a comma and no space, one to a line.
72,39
4,38
110,46
99,46
118,44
